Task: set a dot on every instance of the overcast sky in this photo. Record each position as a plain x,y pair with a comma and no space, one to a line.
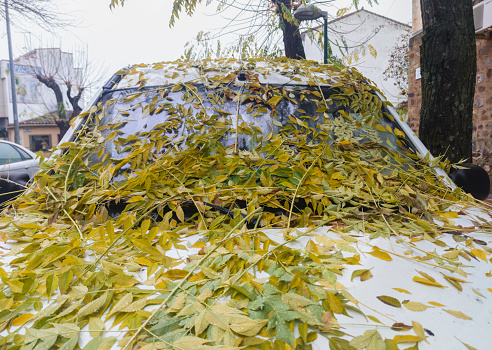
139,32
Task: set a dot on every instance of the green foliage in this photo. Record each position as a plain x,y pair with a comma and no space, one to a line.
239,278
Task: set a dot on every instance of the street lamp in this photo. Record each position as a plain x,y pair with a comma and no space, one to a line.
12,78
309,13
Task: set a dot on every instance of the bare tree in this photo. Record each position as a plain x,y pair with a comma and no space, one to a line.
398,64
68,75
41,12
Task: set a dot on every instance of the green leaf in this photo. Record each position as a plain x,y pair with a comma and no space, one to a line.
93,306
340,344
96,326
296,300
70,344
370,340
389,300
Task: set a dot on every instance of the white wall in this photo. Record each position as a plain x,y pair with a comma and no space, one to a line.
364,28
34,98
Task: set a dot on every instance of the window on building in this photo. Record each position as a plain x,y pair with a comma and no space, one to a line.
39,143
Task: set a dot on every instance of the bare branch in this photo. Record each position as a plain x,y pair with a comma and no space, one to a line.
43,13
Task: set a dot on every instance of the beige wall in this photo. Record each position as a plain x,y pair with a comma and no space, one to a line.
416,17
26,130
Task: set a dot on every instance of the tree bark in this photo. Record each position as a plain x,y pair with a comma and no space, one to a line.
74,101
449,67
292,37
53,85
61,119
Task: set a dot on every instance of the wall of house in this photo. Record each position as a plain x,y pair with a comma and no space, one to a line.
482,114
40,132
34,98
360,30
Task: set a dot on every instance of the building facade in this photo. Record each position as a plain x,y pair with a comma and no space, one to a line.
482,114
365,41
36,103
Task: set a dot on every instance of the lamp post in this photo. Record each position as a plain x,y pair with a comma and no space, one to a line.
309,13
12,78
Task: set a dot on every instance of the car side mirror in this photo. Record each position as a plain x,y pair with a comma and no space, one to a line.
472,179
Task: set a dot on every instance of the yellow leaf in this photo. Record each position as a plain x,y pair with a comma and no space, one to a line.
180,213
93,306
418,329
402,290
199,244
274,100
452,255
450,214
96,325
380,128
246,326
406,339
415,306
458,314
427,282
122,303
479,254
135,199
399,133
20,320
381,255
435,303
175,274
334,303
296,300
478,293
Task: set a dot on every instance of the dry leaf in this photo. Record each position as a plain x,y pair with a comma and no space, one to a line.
458,314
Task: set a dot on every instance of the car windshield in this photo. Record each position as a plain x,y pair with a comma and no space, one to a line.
246,114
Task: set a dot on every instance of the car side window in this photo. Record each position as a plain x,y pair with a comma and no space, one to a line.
25,155
8,154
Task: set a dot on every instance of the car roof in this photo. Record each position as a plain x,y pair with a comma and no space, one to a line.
20,146
278,71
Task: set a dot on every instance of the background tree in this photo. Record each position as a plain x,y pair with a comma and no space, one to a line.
398,69
449,67
68,75
263,19
398,64
41,12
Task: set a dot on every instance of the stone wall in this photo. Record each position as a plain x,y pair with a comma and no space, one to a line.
482,118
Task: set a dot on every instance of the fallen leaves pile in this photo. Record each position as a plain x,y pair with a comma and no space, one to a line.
184,233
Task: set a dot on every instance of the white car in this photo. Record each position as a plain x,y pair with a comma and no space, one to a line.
244,204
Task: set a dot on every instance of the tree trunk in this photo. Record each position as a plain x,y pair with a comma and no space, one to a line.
53,85
292,37
74,101
449,67
61,119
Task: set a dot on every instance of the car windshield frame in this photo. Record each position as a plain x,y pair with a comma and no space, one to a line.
336,105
